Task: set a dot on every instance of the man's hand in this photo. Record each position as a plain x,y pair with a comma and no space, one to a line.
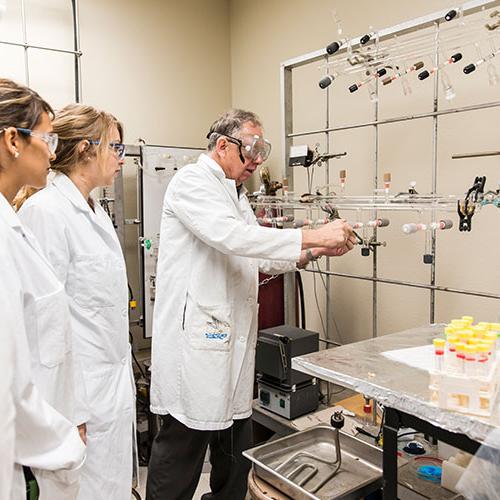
334,252
337,234
82,430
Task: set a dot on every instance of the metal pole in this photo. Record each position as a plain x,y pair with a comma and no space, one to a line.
38,47
375,249
76,45
411,284
432,305
328,308
287,127
463,109
25,44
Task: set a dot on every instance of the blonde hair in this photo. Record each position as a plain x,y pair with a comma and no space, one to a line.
73,124
76,123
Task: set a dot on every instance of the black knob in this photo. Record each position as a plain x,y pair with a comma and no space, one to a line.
456,57
469,68
365,251
337,420
428,259
425,74
381,72
364,39
353,88
326,81
333,47
450,15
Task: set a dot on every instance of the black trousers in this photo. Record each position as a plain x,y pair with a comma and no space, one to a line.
177,459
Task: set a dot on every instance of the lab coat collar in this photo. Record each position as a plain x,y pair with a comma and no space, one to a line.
213,165
67,187
8,214
216,169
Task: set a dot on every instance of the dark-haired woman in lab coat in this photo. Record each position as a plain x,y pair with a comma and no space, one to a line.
37,313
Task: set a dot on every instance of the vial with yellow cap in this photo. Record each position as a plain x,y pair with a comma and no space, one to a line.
450,354
495,328
484,324
483,359
449,330
491,338
470,360
465,335
468,319
478,331
439,345
458,323
460,357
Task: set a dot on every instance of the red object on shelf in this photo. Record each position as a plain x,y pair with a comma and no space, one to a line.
271,300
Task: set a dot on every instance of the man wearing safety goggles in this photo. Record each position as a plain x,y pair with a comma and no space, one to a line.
205,318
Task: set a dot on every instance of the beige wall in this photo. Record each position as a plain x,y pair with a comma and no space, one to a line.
166,69
266,33
161,66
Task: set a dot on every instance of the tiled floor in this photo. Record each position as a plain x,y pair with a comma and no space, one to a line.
203,485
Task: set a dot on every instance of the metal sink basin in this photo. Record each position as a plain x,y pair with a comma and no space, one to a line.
360,472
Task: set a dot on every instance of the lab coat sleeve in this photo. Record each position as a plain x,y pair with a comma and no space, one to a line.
276,266
51,237
44,438
203,208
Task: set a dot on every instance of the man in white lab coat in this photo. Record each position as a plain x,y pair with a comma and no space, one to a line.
205,319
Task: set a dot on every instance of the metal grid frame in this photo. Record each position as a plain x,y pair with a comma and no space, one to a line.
76,48
286,82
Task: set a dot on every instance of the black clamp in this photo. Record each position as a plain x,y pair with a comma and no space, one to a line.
467,207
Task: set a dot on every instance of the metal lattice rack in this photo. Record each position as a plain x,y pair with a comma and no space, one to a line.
435,23
76,48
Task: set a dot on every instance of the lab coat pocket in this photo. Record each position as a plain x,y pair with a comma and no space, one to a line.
52,327
208,327
94,280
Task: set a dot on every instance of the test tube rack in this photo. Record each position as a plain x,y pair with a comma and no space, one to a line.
474,395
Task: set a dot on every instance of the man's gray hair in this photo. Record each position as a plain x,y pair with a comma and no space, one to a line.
230,123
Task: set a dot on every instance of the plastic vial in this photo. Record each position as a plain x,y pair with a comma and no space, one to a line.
495,328
483,359
491,338
460,357
470,360
451,353
479,331
449,330
439,345
468,319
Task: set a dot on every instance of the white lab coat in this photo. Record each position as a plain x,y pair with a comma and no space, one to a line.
83,247
7,362
47,325
205,316
45,440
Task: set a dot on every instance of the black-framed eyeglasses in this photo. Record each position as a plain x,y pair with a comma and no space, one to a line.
50,138
117,147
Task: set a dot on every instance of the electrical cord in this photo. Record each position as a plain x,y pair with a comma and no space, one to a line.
300,285
133,355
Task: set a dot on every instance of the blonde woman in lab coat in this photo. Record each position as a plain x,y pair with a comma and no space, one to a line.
36,314
79,240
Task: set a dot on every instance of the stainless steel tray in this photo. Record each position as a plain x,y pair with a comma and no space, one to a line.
359,474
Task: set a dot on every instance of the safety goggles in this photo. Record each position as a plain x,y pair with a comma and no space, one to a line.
252,147
117,147
50,138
